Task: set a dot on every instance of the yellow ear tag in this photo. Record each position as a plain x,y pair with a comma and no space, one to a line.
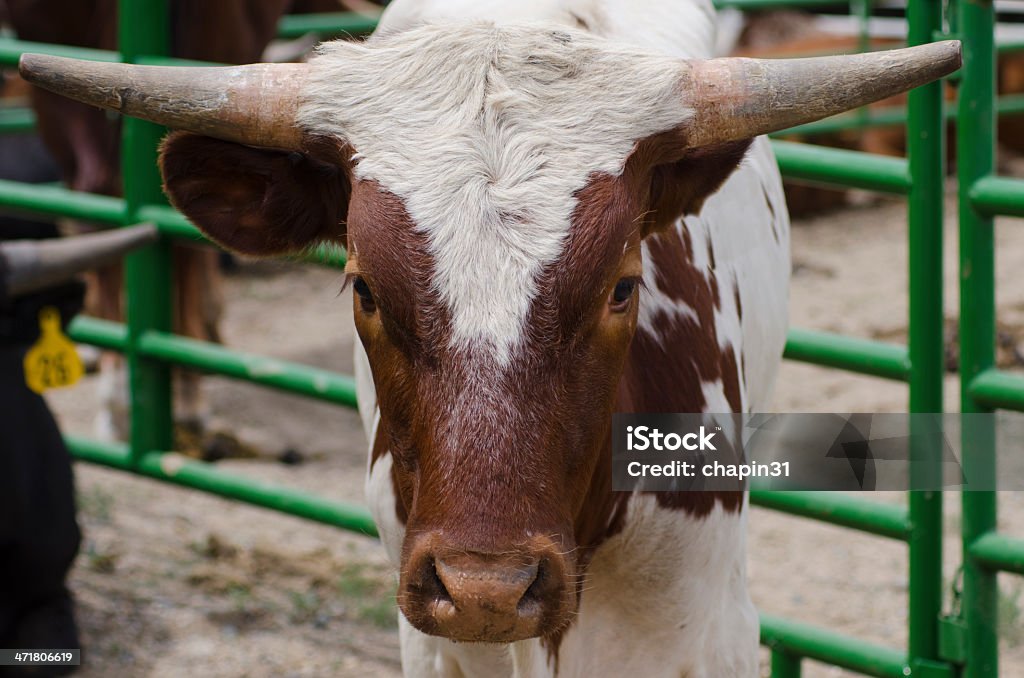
52,361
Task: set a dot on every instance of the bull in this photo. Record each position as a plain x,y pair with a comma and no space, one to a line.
553,211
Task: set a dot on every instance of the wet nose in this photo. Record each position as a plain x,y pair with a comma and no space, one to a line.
479,596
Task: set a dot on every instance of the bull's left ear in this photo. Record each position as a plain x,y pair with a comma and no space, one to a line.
679,185
255,201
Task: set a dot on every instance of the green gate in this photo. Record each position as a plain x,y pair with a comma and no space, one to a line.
964,643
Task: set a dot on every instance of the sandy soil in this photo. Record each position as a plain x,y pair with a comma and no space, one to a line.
171,581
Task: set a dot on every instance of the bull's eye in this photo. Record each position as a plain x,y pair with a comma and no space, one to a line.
622,294
362,290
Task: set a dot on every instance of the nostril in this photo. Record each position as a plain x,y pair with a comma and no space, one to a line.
428,585
441,604
530,604
433,587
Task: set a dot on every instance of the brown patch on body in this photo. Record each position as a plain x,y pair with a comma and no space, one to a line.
679,389
665,373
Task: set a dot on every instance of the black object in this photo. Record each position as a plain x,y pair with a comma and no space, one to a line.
24,158
39,536
19,317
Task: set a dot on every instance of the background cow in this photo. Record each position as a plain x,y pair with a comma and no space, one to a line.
86,144
551,214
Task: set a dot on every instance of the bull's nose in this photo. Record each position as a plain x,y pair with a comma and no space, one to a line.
473,596
492,592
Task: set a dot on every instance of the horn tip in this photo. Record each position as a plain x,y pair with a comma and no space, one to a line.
951,50
957,48
945,56
28,65
36,68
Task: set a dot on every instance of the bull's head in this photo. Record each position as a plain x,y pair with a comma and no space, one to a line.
492,186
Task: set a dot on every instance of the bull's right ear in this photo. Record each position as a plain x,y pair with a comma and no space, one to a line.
255,201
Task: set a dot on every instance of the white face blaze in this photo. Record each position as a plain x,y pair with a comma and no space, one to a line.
486,133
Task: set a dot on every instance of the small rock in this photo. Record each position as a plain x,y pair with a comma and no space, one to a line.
291,457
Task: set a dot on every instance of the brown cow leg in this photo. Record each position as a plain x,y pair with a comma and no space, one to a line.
104,301
198,306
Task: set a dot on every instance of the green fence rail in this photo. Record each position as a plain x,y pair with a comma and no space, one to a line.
186,472
151,348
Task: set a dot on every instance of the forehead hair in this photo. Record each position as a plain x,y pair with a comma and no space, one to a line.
487,134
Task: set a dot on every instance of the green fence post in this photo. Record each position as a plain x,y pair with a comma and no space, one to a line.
975,148
925,150
785,664
143,28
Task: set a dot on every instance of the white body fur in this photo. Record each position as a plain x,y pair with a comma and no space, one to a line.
667,595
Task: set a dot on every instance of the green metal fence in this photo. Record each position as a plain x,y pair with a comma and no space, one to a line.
983,388
964,643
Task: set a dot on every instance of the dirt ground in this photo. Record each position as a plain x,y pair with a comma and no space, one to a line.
173,582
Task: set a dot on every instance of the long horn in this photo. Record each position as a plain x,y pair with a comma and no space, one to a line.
31,265
735,98
252,105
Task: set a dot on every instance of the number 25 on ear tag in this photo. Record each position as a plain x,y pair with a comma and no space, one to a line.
52,361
